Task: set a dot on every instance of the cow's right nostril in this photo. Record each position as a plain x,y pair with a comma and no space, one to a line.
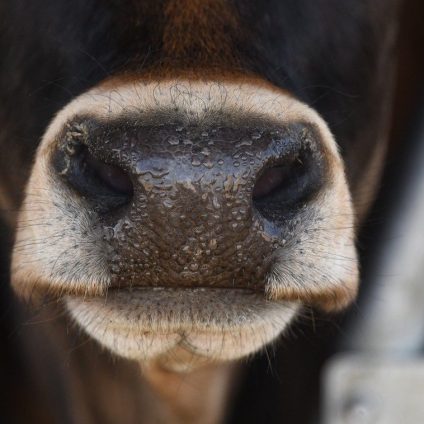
281,188
105,185
278,178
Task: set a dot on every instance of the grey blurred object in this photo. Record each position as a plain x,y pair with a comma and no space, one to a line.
373,390
378,377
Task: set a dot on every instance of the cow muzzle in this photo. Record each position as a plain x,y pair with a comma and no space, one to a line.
153,191
192,205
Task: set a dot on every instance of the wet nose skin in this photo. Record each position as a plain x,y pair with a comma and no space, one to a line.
185,205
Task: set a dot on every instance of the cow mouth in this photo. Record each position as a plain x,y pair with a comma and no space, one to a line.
213,323
154,308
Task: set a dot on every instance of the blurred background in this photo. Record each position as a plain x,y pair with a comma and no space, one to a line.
377,373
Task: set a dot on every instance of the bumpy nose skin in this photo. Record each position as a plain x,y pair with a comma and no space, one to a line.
191,219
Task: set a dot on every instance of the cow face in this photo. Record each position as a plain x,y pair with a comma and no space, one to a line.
188,205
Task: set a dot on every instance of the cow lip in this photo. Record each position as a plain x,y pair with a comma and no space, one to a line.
217,324
201,292
164,296
181,288
176,306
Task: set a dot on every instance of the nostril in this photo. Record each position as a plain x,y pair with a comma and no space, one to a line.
277,178
111,176
281,188
105,185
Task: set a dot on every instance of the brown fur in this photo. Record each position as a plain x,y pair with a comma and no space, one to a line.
202,31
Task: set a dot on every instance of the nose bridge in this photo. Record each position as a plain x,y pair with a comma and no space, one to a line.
197,186
208,167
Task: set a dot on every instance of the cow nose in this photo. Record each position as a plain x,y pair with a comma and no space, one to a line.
192,205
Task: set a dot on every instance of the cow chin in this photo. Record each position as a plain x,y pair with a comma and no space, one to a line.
67,247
